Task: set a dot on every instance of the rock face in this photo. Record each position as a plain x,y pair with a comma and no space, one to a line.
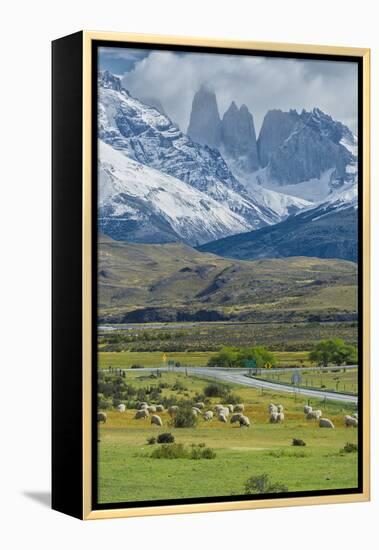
277,126
205,123
238,137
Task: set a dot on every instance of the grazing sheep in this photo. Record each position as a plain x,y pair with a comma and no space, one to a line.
351,422
244,421
142,405
102,417
141,413
280,408
239,408
152,408
159,408
196,411
155,419
272,408
172,411
199,405
307,409
218,407
208,416
273,418
280,417
222,417
235,418
231,408
325,423
121,408
314,415
224,411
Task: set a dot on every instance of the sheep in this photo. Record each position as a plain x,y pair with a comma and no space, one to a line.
155,419
280,408
208,416
273,418
235,418
102,417
239,408
152,408
272,408
218,408
172,411
142,405
141,413
280,417
222,417
196,411
121,408
244,421
224,411
199,405
325,423
350,421
307,409
231,408
159,408
314,415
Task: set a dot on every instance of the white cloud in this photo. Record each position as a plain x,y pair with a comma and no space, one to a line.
261,83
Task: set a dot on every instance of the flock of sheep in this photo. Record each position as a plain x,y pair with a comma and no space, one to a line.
222,412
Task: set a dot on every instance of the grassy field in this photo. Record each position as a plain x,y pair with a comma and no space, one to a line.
126,359
127,472
336,381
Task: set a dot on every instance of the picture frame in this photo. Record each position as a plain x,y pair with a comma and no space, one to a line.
85,483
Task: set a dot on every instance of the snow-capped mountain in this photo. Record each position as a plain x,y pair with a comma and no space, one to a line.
138,203
328,230
149,138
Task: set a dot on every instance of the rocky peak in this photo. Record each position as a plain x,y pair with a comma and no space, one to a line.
276,128
205,123
238,136
109,81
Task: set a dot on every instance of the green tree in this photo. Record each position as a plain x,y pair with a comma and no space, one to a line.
235,357
334,351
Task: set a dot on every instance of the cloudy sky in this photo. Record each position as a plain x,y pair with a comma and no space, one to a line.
261,83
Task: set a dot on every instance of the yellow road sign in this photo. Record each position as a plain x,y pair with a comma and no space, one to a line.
268,365
164,357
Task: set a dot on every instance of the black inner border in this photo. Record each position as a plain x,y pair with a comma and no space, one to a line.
94,162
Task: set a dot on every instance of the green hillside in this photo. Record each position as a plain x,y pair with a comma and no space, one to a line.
174,282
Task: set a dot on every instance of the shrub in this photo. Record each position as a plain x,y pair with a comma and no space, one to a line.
151,440
136,367
350,448
185,418
208,453
165,438
298,442
262,484
216,390
175,450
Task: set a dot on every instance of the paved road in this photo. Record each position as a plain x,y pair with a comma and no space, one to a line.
237,376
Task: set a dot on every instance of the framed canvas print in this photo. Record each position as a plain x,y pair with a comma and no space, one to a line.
210,275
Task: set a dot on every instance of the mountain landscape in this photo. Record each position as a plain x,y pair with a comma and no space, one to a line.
291,191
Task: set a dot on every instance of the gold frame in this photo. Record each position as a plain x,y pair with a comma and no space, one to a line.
364,53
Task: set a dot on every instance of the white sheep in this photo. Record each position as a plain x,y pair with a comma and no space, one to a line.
152,408
224,411
325,423
280,408
222,417
272,408
199,405
208,416
244,421
155,419
159,408
142,405
280,417
239,408
121,408
314,415
231,408
307,409
196,411
273,418
141,413
218,408
350,421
